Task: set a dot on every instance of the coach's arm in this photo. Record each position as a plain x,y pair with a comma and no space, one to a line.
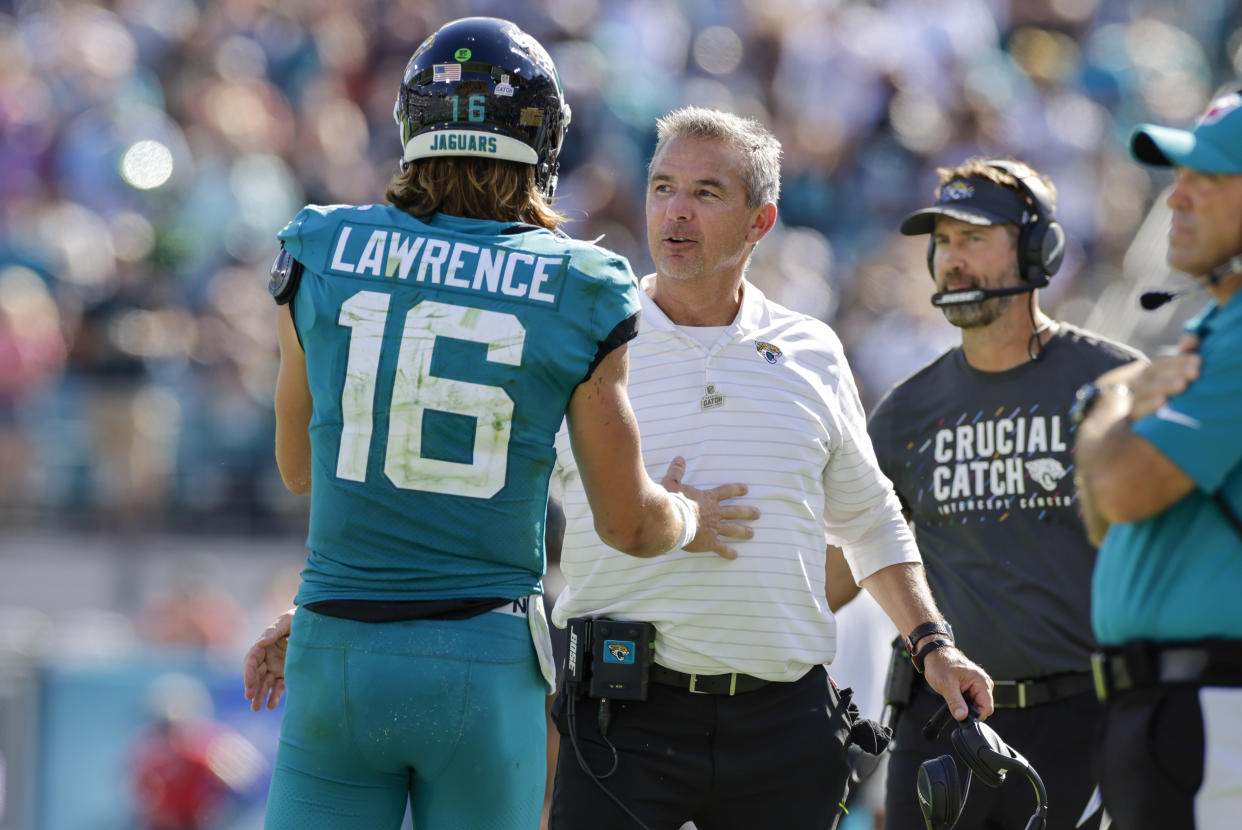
1121,476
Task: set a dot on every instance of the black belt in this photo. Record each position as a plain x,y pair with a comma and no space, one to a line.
707,684
382,611
1020,694
1140,665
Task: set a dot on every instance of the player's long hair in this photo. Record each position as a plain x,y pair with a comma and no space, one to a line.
474,188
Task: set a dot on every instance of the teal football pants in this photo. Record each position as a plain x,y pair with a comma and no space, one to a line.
447,714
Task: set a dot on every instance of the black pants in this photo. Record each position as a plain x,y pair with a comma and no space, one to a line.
774,757
1057,738
1151,758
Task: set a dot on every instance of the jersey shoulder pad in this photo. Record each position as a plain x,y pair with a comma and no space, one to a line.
283,282
599,262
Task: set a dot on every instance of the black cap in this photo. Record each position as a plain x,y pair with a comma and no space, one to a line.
977,201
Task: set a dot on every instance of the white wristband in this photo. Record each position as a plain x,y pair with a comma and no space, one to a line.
689,527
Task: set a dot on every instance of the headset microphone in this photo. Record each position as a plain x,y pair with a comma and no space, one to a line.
1151,300
978,295
937,723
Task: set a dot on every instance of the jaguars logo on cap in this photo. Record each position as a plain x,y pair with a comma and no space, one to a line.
1221,107
770,351
956,190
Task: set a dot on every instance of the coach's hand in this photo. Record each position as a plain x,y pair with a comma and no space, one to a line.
955,677
716,520
263,672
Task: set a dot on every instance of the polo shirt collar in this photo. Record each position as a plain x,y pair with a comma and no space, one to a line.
749,316
1216,317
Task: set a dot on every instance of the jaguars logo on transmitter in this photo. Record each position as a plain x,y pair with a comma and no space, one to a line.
770,351
619,651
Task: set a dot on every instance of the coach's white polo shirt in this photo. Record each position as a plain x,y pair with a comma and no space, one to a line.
768,401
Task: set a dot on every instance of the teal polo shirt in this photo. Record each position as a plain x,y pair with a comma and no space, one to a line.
1177,576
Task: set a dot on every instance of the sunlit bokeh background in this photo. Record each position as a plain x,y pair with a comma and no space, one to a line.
150,150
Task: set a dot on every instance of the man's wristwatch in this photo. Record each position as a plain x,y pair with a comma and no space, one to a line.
943,633
1086,397
921,655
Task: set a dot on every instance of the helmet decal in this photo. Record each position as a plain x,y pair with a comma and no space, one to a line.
445,72
422,47
537,53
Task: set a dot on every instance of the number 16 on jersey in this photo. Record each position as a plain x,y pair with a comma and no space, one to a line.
416,390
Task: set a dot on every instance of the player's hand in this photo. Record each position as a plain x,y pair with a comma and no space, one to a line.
717,521
263,671
955,677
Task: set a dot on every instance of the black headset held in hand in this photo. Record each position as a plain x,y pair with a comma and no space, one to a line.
1041,239
940,792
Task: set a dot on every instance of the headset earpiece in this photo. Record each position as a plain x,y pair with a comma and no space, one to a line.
1051,250
1041,243
939,790
979,750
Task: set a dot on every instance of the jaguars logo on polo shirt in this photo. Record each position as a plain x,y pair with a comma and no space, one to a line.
770,351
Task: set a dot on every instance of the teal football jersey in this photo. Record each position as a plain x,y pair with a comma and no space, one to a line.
441,356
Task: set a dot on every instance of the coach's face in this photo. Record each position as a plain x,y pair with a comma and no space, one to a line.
698,224
1207,220
971,256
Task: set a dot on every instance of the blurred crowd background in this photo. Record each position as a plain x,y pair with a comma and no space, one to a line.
150,150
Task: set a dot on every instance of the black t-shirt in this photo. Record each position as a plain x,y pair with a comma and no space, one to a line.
983,464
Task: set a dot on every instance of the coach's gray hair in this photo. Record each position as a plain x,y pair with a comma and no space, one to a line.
761,152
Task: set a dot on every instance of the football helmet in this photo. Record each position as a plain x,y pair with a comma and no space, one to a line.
480,86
